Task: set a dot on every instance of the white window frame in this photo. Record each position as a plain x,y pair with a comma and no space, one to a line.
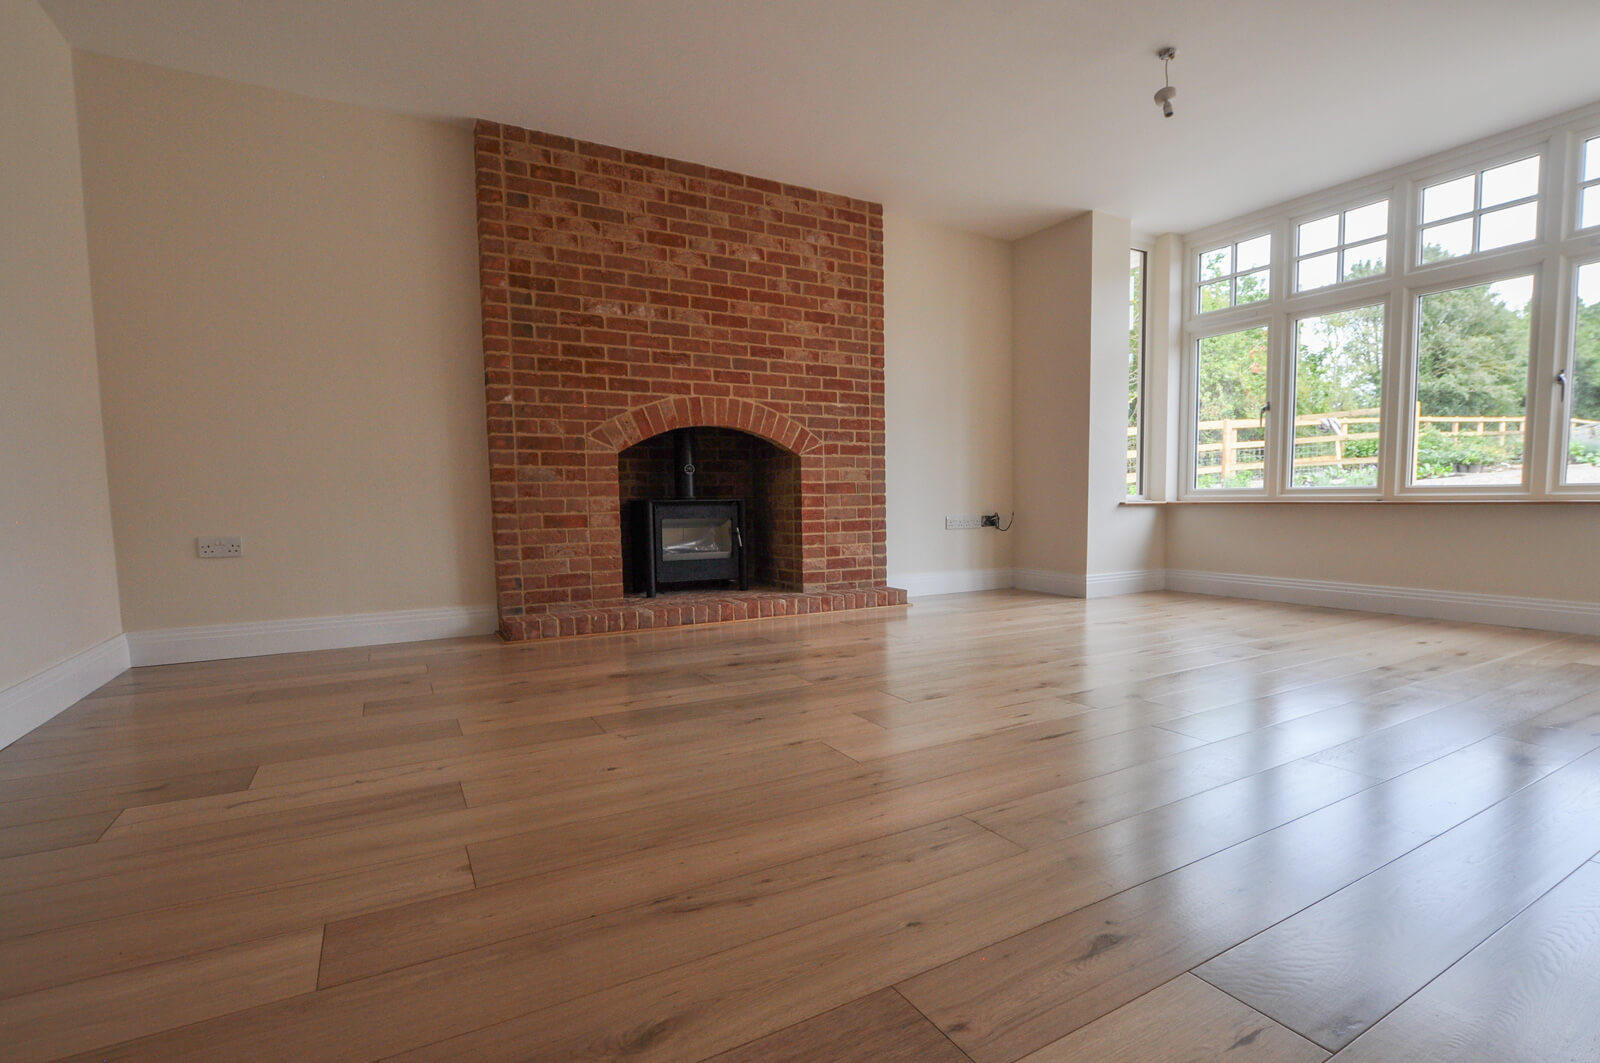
1552,257
1407,388
1341,246
1139,490
1540,199
1191,400
1581,138
1561,420
1288,488
1193,268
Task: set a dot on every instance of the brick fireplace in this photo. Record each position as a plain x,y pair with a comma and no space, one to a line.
626,296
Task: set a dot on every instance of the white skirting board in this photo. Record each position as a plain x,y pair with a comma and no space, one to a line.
1095,585
1047,581
963,581
1548,614
219,641
31,702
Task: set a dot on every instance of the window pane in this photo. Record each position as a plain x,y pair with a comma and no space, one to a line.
1230,445
1135,364
1583,426
1319,235
1365,261
1338,389
1515,180
1218,263
1218,295
1513,225
1447,241
1590,214
1254,287
1253,254
1318,272
1591,160
1472,384
1449,199
1366,222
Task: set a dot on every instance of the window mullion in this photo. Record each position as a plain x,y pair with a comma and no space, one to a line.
1399,346
1544,461
1279,434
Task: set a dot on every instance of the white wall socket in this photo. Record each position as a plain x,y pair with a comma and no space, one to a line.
219,546
954,523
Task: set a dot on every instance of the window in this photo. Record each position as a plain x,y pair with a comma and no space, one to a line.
1412,347
1236,274
1582,390
1347,246
1338,398
1472,384
1231,406
1589,190
1483,211
1136,347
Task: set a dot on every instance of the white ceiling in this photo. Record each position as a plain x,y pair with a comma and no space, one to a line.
1000,117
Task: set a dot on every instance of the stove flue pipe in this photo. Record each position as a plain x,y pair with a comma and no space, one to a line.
683,466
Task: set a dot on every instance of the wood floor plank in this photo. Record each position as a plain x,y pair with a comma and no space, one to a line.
1333,970
133,795
883,1028
55,1022
54,958
43,835
226,752
1184,1021
1526,995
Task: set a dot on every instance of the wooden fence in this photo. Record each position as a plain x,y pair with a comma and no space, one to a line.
1235,453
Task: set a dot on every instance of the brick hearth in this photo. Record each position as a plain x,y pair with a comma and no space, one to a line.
627,295
637,613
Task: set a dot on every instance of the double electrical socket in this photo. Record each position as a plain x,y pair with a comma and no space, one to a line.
961,522
219,546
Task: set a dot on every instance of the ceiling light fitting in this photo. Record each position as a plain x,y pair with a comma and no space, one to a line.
1165,94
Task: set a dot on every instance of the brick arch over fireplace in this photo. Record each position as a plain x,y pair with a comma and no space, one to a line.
634,426
807,567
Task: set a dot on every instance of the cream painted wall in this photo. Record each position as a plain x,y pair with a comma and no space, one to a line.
1051,283
947,405
58,573
1070,401
1523,550
285,293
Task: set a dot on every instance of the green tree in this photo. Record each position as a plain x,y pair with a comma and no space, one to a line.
1472,354
1586,378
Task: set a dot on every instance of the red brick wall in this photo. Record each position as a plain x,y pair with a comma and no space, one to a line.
625,295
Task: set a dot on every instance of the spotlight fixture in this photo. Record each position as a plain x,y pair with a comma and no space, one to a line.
1165,94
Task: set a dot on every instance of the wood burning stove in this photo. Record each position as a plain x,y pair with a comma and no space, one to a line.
687,539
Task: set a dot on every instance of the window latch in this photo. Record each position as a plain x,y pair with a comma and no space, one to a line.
1262,418
1561,378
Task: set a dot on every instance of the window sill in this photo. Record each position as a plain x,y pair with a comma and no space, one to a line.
1452,500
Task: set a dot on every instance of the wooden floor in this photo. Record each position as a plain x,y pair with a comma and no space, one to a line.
991,828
